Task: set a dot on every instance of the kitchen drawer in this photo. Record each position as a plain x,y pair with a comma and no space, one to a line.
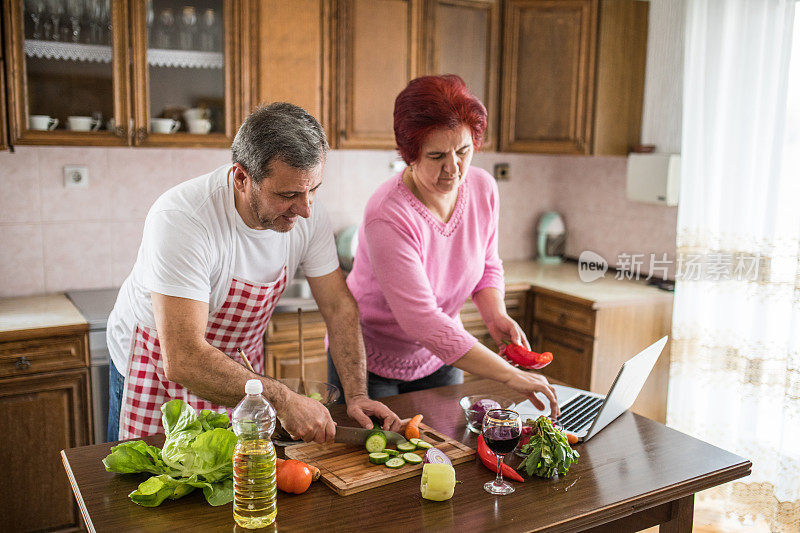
572,354
44,354
283,327
564,313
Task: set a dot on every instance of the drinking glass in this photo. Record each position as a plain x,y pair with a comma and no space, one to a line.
164,29
36,11
502,429
188,27
52,27
208,34
75,13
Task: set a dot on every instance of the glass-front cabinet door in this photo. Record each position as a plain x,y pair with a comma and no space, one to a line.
185,80
67,71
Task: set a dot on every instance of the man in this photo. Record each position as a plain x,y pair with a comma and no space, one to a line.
216,254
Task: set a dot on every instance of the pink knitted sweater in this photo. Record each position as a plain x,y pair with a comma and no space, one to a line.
412,274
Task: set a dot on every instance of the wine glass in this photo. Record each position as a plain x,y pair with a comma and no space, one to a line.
188,27
75,13
36,11
502,429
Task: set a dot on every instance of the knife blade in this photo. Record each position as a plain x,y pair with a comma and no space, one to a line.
359,436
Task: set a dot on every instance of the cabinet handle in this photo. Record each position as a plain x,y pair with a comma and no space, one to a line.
22,363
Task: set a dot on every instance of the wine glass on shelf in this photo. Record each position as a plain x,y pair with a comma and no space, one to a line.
188,27
36,12
208,34
75,13
502,429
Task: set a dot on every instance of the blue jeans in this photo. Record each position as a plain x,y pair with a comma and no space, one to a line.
380,387
116,384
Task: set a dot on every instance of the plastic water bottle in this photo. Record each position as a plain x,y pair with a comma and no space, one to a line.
254,460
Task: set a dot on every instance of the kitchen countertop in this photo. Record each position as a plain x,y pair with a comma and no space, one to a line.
38,312
562,279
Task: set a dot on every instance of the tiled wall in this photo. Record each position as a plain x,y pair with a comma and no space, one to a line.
55,239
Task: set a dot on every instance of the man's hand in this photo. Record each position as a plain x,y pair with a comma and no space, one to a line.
505,330
307,419
360,408
529,384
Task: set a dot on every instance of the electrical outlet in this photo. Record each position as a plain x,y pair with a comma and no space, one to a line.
75,176
502,172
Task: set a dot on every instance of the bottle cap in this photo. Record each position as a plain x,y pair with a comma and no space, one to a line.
253,386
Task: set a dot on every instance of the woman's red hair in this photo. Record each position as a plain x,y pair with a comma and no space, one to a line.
429,103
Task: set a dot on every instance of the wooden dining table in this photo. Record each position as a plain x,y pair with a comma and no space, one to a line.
634,474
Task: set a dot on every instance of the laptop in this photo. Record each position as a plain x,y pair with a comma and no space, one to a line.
585,413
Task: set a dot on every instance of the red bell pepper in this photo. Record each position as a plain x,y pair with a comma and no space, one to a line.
489,460
520,356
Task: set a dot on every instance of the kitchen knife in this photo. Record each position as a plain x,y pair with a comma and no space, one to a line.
359,435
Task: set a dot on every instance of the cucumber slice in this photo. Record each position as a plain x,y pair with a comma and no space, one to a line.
379,458
412,458
376,442
391,452
419,443
406,447
395,462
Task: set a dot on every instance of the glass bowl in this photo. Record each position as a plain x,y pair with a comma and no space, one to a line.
475,418
325,393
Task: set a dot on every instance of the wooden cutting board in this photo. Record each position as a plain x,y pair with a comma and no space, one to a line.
346,468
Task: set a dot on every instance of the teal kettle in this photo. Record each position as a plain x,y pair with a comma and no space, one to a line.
552,238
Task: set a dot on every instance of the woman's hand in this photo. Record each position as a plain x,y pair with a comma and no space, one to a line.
529,384
360,408
505,330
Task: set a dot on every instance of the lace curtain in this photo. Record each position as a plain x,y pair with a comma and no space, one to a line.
735,372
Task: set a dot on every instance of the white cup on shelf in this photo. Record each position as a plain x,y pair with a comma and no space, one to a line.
195,113
164,125
200,126
42,122
81,123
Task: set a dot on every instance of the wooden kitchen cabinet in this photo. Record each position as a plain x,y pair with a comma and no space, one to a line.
293,55
282,348
463,37
44,408
591,340
3,129
58,79
127,63
573,76
378,50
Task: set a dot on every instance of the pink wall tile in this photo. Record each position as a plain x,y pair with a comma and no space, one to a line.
125,240
190,163
21,262
19,176
60,203
77,255
140,176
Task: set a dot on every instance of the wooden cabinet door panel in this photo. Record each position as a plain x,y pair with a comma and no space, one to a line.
463,37
548,62
40,416
572,354
283,327
316,368
293,40
378,49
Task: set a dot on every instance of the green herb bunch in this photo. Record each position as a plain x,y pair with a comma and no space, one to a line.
548,451
197,453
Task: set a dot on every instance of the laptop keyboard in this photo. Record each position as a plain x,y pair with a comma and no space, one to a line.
579,412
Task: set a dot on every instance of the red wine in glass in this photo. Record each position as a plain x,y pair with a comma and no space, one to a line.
502,440
502,429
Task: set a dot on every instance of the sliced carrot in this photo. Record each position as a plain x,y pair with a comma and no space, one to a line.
572,439
412,429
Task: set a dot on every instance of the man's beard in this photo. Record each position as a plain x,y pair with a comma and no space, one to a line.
255,206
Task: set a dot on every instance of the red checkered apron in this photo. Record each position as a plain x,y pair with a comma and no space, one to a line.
239,323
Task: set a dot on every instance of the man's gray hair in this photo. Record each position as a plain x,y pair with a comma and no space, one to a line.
281,131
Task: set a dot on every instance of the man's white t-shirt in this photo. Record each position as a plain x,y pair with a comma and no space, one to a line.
195,241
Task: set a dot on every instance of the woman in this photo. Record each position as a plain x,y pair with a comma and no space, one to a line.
428,242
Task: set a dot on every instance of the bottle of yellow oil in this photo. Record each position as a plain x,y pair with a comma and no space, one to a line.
254,460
